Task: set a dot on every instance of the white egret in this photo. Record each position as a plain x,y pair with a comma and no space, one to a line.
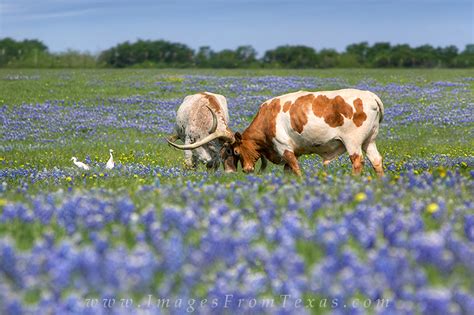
110,163
80,164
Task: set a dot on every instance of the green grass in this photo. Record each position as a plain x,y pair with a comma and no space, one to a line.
89,84
144,149
133,146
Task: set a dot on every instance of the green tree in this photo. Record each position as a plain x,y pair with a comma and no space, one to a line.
291,57
328,58
402,56
203,57
425,56
159,53
360,51
379,55
346,60
226,58
12,51
466,58
246,56
446,55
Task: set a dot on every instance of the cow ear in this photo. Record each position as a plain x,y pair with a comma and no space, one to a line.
238,136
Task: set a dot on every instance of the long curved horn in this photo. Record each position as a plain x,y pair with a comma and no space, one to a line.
219,134
214,121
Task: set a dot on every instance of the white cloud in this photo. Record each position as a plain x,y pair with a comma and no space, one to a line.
59,14
49,9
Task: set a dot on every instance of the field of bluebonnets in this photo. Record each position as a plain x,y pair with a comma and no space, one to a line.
128,239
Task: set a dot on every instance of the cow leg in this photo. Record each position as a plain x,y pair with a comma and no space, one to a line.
212,165
357,159
189,160
375,158
291,162
216,165
189,156
196,160
201,155
263,166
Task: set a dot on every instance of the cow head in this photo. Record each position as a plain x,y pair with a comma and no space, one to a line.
229,159
227,137
246,152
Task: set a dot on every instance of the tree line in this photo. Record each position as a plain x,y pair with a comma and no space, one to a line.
35,54
165,54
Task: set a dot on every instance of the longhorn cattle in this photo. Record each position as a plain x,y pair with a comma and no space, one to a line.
327,123
202,124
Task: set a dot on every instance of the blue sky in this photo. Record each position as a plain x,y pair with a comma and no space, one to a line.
264,24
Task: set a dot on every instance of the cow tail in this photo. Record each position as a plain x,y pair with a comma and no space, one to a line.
380,105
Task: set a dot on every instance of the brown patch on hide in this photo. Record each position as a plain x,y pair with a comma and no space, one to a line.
332,110
287,106
213,102
359,116
298,112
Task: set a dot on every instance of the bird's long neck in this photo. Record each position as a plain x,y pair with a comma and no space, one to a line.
111,155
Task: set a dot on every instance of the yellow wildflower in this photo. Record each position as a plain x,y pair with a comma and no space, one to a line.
360,197
432,207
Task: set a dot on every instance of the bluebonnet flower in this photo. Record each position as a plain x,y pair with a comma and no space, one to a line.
469,226
434,301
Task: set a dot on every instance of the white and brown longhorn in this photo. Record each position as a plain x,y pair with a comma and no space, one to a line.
202,124
327,123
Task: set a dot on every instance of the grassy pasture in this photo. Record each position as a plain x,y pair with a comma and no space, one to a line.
150,227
